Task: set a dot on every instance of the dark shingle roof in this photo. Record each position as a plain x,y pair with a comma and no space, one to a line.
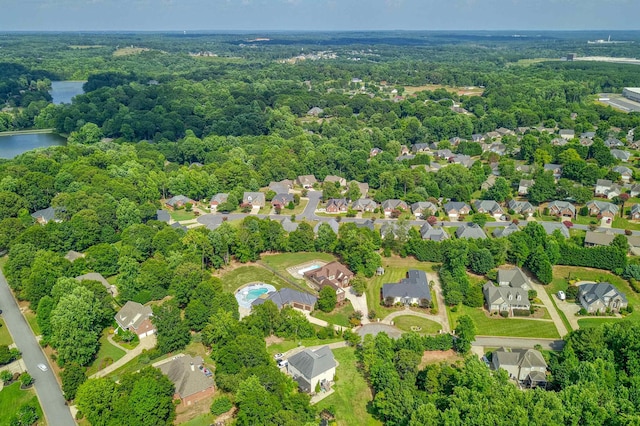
414,286
287,296
185,374
313,363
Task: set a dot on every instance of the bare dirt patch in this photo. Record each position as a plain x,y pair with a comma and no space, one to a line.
184,414
433,357
273,340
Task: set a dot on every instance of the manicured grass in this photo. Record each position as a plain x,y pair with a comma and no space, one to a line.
498,326
233,280
5,336
624,223
296,210
595,322
339,316
405,322
12,398
395,269
352,394
33,322
107,351
281,262
289,344
203,420
180,215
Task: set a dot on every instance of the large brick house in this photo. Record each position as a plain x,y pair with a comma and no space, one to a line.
334,275
193,381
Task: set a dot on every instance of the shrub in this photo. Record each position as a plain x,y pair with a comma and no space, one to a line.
5,376
221,405
504,314
582,311
532,294
26,379
572,292
520,313
372,314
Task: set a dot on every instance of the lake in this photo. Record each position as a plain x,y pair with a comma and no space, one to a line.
63,91
14,145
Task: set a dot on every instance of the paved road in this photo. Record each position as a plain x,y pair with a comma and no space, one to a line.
47,388
518,342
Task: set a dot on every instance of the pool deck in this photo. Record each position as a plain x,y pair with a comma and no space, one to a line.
294,270
242,302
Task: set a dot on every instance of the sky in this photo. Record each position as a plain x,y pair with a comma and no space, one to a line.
317,15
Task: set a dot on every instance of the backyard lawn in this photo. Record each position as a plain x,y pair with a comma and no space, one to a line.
5,337
203,420
107,355
352,394
595,322
12,398
180,215
405,322
280,262
562,274
339,316
233,280
289,344
498,326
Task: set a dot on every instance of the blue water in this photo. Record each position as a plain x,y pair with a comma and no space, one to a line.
63,91
12,146
255,293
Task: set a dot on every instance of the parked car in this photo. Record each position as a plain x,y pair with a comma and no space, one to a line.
562,295
283,363
278,356
42,367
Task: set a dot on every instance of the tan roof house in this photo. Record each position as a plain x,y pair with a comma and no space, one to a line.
136,318
193,381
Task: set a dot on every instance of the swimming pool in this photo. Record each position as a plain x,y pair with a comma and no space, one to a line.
307,269
247,294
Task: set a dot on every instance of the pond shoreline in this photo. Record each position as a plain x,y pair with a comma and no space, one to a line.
27,132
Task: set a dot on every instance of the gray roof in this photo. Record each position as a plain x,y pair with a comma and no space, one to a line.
521,206
470,230
364,203
561,205
335,226
163,216
132,314
635,208
94,276
415,285
178,225
253,197
428,232
620,154
455,205
505,232
623,170
313,363
184,372
179,199
394,204
423,205
282,198
549,227
366,224
46,215
527,183
72,256
288,225
287,296
488,206
514,277
527,358
603,206
220,198
598,238
307,179
505,294
593,292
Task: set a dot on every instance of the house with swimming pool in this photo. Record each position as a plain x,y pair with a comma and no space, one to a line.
334,275
288,297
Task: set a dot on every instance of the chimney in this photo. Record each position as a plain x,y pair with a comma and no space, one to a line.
192,367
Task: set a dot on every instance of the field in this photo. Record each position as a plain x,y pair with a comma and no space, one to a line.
469,91
287,345
352,394
233,280
339,316
395,269
5,337
563,273
280,262
107,355
12,398
126,51
499,326
405,322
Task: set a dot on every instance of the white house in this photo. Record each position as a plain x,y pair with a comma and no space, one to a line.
309,368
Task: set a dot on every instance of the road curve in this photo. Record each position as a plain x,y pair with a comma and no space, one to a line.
47,388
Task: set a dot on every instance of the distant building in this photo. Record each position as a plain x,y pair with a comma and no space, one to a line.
334,275
179,201
632,93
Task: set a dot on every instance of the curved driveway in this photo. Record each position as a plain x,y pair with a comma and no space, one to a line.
53,404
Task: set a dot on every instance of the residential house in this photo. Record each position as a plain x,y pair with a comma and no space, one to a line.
455,140
419,148
312,367
411,290
253,199
163,216
600,297
626,174
73,255
504,131
364,205
281,187
334,275
593,239
559,142
288,297
288,225
423,208
606,188
179,201
375,151
404,150
94,276
489,182
635,212
456,209
562,209
551,227
428,232
513,277
635,190
136,318
470,230
280,201
178,225
193,381
463,160
527,366
45,216
505,232
493,135
389,206
477,137
588,135
333,224
556,169
602,209
315,111
524,208
567,134
335,179
505,298
586,142
621,155
306,181
522,130
524,185
498,148
363,187
489,207
613,143
524,168
216,200
337,205
366,224
444,154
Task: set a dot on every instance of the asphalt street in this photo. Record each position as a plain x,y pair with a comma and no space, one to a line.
49,392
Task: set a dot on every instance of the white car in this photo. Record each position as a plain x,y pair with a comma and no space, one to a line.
42,367
562,295
278,356
283,363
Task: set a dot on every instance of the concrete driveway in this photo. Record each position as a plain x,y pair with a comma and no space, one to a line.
359,303
47,388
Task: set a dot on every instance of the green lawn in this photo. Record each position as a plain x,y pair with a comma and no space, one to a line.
33,322
289,344
296,210
203,420
233,280
12,398
595,322
180,215
281,262
352,394
339,316
624,223
5,337
405,322
498,326
107,351
395,269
